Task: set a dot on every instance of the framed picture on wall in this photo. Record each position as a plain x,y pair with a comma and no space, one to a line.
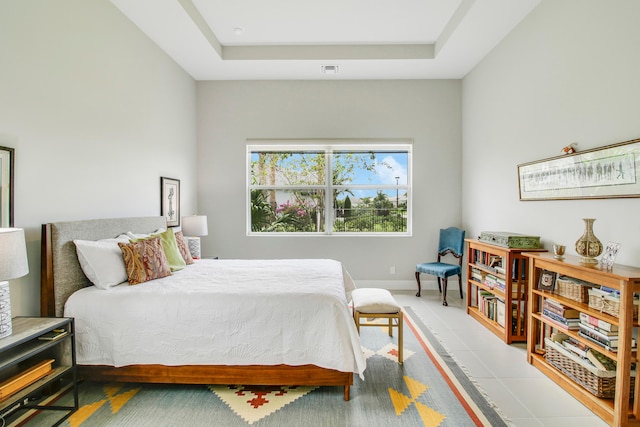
170,200
6,186
600,173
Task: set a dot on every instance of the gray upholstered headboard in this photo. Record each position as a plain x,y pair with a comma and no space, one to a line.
61,273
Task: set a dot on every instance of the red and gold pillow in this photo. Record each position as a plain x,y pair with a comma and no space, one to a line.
183,247
144,260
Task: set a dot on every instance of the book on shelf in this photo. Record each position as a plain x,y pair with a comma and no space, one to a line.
600,324
605,340
601,361
576,347
594,357
495,261
54,335
560,309
563,323
598,330
491,281
500,313
477,275
611,343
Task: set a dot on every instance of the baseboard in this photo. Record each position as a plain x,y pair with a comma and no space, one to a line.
397,285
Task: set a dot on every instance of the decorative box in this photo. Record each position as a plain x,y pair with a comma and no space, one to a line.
510,240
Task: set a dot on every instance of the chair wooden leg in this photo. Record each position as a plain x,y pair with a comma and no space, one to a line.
460,283
444,291
439,285
391,326
418,280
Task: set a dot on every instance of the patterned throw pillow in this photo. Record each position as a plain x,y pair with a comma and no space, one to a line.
170,247
183,247
144,260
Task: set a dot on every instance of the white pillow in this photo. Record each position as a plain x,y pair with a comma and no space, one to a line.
101,261
144,235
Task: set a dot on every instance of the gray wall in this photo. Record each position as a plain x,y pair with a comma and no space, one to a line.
96,112
426,111
568,73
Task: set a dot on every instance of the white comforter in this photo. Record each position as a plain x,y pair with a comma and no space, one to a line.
223,312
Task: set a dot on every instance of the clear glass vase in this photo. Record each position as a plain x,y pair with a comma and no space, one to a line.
588,245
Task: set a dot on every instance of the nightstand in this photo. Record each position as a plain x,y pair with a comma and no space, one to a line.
39,355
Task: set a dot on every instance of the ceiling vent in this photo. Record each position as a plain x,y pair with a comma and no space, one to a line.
330,69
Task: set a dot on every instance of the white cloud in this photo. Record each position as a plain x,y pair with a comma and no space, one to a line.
388,169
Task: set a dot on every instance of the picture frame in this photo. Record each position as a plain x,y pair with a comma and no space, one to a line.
609,255
600,173
170,200
547,280
7,162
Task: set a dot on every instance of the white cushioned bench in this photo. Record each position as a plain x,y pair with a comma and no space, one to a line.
377,303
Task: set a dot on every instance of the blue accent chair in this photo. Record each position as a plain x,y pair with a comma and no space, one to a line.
451,242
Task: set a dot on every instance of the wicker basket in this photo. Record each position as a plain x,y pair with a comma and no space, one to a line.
573,289
599,300
598,382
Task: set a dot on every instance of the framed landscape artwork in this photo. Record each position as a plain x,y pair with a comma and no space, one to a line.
612,171
170,200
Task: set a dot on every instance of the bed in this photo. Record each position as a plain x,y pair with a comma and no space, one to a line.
254,322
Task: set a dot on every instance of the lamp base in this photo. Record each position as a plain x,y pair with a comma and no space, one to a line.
5,310
194,246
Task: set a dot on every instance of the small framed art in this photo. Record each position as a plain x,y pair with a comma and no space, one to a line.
547,281
170,200
609,255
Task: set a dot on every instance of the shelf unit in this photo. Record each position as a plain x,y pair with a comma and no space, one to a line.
622,410
23,349
509,325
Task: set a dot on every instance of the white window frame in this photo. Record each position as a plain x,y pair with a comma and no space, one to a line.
329,147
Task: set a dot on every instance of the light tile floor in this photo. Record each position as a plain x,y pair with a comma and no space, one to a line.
524,395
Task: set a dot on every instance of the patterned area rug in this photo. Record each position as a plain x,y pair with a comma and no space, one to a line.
428,390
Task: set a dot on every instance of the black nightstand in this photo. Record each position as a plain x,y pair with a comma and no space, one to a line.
40,355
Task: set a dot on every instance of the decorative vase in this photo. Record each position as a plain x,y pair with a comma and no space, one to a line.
588,245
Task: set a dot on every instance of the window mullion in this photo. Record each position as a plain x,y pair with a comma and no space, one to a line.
329,202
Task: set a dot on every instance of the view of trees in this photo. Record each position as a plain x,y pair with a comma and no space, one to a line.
289,194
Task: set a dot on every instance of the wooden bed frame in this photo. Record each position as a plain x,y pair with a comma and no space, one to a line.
61,275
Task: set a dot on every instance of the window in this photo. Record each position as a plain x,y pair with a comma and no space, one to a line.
329,189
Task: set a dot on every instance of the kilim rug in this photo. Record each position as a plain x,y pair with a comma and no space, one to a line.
429,389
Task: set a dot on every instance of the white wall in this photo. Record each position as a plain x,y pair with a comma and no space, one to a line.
568,73
96,112
426,111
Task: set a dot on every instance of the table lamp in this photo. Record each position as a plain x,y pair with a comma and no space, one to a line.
13,264
193,227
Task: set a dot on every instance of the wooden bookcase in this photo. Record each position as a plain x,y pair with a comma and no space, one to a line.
622,410
504,286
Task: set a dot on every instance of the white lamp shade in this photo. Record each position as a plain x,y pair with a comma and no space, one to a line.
194,225
13,254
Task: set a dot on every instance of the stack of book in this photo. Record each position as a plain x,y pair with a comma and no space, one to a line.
594,357
600,332
477,275
494,282
563,317
487,304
